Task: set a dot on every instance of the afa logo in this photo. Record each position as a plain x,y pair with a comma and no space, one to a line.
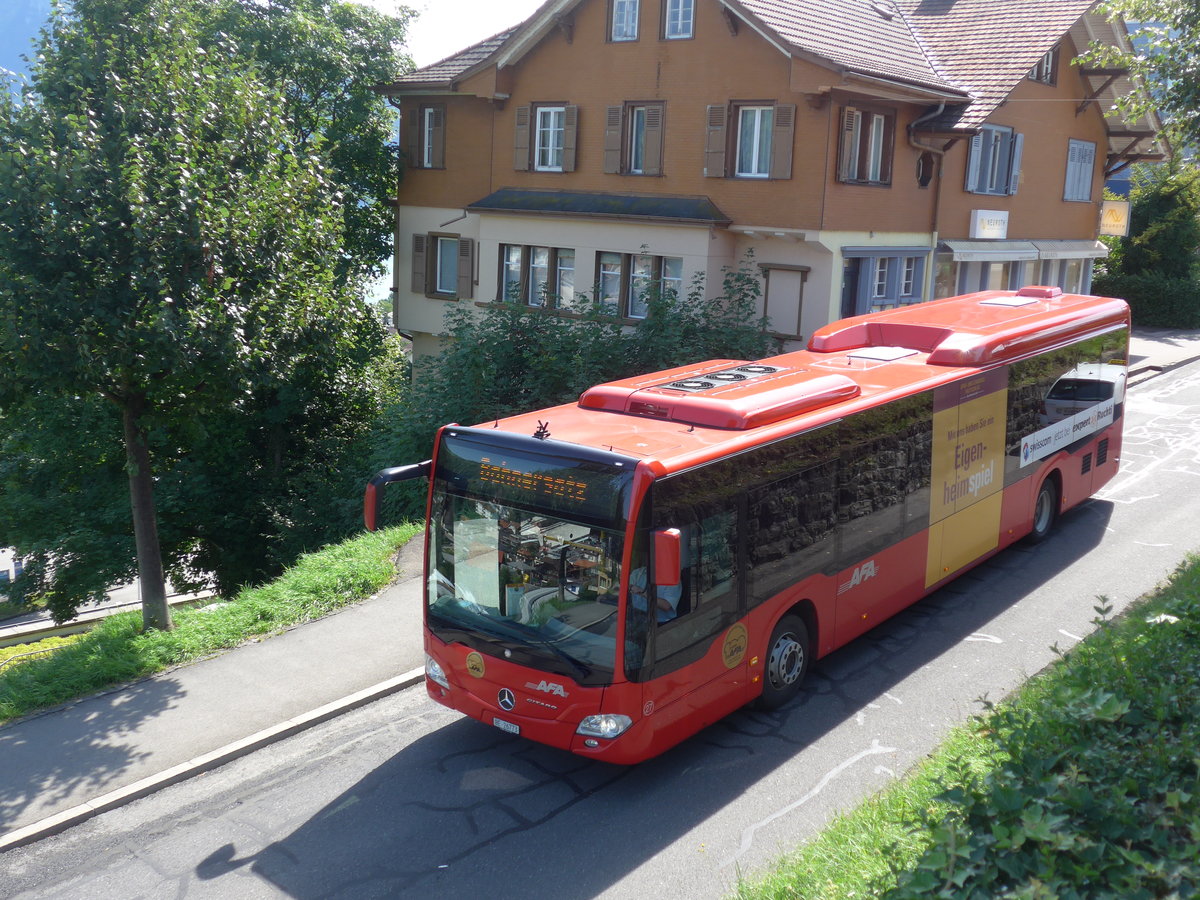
1026,450
860,574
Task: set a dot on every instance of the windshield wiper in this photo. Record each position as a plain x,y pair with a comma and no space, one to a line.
517,631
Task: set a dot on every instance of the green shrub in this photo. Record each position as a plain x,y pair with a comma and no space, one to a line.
1155,299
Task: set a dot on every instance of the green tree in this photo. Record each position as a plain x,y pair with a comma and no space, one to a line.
324,56
512,358
1157,267
167,246
1164,223
1166,55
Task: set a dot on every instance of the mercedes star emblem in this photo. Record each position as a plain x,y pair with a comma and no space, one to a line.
507,699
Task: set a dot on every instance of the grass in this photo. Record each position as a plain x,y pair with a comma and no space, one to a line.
118,651
52,643
1085,783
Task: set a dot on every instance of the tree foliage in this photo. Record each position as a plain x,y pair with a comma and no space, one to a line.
1157,267
512,358
1166,55
172,249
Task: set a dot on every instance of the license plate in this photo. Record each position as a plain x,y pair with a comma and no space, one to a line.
506,726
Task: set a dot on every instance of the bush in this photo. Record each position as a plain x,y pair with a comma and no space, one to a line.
1155,299
511,358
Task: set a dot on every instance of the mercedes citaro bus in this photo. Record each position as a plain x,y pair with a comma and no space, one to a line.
612,575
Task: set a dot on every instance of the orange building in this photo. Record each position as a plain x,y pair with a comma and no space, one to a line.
869,153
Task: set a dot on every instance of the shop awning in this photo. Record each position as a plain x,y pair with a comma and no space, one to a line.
990,251
638,207
1070,249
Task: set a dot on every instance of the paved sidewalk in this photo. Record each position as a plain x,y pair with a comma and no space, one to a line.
62,766
67,764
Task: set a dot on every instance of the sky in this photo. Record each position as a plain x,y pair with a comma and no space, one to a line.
447,26
442,28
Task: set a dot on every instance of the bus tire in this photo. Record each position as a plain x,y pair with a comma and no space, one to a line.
786,662
1045,511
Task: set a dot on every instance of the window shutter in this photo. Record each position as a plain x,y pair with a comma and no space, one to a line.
419,270
612,139
412,137
570,128
783,134
848,158
652,164
973,162
888,150
1087,167
521,140
438,134
466,268
1014,169
715,141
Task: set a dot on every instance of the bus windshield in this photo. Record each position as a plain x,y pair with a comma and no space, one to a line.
525,556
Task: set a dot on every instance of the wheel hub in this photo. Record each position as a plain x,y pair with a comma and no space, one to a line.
786,661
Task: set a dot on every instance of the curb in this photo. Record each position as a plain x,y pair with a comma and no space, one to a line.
206,762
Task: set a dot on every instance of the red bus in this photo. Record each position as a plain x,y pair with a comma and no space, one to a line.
613,575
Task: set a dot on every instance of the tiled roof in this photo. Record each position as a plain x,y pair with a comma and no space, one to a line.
988,46
455,65
980,49
867,36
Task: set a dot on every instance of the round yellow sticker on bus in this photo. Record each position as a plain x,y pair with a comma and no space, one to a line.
475,664
734,649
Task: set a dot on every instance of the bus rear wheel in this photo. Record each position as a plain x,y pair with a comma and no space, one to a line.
786,662
1045,511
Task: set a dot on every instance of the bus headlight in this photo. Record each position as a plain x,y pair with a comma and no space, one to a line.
605,725
433,671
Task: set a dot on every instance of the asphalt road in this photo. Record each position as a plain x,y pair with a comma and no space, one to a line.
406,799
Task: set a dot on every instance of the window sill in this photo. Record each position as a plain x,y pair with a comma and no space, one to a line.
450,297
875,184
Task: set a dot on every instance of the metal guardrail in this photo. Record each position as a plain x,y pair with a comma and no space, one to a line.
88,622
20,656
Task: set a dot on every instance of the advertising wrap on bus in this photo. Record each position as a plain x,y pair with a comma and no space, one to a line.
612,575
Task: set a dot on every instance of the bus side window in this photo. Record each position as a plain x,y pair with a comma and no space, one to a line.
791,529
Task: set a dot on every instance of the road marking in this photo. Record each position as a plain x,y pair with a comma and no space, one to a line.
749,832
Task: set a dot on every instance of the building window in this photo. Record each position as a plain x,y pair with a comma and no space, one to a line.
881,278
536,276
754,141
1046,70
761,144
564,276
443,266
879,289
446,266
544,137
548,147
865,155
678,19
1081,161
633,139
624,20
426,141
909,279
994,164
626,281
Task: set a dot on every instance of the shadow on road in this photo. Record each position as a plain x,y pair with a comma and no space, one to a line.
469,812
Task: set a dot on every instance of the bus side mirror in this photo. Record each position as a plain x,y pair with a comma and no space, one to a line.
667,543
374,492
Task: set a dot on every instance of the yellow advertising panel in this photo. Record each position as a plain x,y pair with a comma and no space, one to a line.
968,471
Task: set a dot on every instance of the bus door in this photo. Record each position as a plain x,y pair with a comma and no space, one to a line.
697,664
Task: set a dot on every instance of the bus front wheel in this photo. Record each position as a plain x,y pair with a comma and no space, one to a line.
1045,511
786,662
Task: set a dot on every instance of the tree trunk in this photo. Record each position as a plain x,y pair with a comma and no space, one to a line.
155,611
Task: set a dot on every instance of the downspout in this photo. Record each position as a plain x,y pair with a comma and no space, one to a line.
939,154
